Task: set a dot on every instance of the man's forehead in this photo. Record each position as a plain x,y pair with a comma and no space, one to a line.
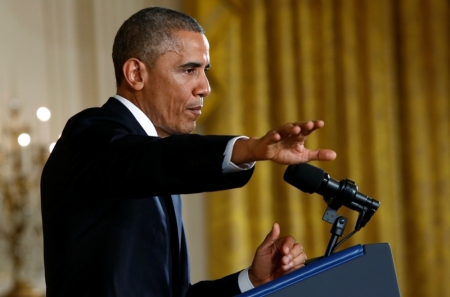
182,39
188,46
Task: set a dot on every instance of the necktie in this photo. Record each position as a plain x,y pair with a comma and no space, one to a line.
171,222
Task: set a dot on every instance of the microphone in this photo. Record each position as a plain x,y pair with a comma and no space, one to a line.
311,179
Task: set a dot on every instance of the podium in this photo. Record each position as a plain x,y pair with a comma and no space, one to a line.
361,270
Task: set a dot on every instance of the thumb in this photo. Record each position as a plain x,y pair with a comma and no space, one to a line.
272,236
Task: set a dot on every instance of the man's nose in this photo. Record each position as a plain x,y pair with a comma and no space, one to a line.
203,89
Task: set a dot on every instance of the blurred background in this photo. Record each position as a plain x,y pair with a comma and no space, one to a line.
376,71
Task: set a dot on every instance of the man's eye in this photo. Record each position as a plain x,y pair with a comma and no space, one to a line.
190,70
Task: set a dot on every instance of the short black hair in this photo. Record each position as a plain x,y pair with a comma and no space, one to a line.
144,34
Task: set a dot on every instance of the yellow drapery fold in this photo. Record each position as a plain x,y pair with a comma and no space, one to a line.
378,74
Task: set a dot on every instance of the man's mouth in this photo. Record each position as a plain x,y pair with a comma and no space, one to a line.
196,110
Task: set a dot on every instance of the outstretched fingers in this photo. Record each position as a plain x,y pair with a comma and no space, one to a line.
288,130
310,126
295,129
300,128
285,145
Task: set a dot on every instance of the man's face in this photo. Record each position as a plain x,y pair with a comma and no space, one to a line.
176,85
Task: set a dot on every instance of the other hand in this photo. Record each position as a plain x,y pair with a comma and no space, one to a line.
276,257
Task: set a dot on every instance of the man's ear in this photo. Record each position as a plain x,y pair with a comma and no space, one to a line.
134,72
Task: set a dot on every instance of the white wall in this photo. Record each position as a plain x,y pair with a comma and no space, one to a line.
57,53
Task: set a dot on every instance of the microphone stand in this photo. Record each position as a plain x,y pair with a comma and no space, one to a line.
337,229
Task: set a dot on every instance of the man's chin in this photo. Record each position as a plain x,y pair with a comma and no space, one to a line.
186,129
192,128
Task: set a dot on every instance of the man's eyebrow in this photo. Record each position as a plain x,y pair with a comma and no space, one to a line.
195,65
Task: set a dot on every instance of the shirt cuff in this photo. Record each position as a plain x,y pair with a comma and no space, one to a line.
227,165
244,281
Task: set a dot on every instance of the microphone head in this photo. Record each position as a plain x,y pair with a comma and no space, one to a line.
304,177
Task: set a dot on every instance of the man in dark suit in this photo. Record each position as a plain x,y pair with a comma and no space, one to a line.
110,204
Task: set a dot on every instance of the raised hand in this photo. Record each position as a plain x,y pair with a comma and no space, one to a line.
284,145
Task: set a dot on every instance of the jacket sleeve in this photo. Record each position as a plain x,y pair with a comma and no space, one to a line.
103,156
224,287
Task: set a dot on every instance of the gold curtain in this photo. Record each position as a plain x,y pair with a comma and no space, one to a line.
378,73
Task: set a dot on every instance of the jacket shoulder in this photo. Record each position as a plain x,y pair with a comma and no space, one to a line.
112,114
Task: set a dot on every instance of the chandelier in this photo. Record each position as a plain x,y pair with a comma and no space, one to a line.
22,157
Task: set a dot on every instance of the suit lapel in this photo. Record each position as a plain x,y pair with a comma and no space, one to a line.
176,201
172,203
127,118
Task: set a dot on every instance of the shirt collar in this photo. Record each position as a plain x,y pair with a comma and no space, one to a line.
142,119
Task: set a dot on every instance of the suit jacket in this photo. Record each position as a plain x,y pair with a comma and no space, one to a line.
111,214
